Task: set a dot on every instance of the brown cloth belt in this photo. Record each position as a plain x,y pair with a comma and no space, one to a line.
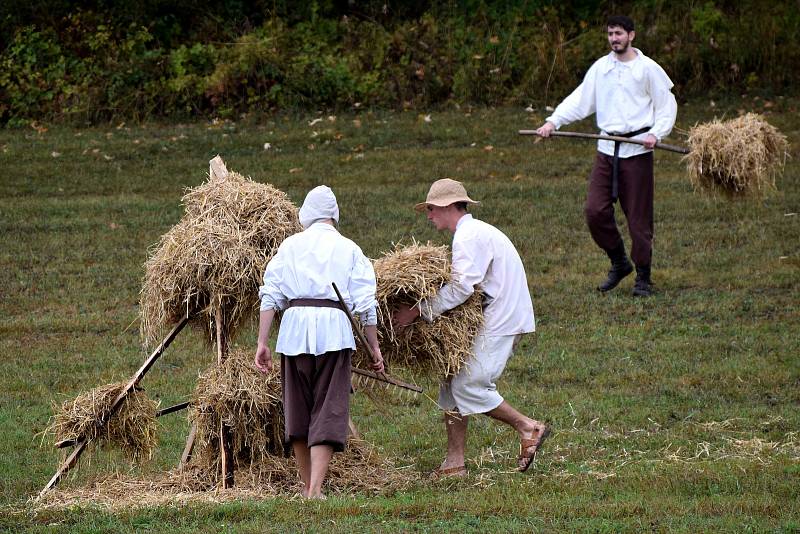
315,303
615,164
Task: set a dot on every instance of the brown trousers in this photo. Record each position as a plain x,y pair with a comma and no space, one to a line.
635,197
316,398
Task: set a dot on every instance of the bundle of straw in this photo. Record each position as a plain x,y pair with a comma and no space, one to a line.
213,259
132,428
248,402
405,276
737,157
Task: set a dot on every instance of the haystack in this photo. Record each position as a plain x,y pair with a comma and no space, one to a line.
132,428
405,276
248,402
214,258
737,157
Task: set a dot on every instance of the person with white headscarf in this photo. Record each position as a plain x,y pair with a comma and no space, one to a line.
315,339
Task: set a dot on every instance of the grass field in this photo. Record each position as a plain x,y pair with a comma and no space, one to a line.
675,413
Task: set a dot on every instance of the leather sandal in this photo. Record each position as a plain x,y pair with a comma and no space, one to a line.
528,449
449,472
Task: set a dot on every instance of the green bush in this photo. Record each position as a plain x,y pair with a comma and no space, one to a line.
86,68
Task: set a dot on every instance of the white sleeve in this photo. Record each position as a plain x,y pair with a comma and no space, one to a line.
470,264
664,105
361,289
272,298
581,103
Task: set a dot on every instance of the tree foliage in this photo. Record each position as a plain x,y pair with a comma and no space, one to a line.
99,60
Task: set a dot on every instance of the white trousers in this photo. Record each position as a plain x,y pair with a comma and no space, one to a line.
473,390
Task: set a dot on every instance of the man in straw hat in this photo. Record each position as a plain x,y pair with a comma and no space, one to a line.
315,339
630,94
484,257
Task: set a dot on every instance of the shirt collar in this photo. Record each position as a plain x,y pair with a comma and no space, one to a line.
612,61
464,218
322,227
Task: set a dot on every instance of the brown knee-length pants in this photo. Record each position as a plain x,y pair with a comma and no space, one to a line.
316,398
635,197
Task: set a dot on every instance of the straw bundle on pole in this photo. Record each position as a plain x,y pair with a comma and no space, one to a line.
737,157
405,276
132,428
214,258
248,402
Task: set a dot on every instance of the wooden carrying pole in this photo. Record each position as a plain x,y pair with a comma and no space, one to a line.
83,442
663,146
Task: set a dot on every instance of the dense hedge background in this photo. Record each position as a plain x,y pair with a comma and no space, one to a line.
142,59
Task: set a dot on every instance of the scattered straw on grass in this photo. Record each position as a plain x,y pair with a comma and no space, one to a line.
405,276
214,258
737,157
249,403
132,428
360,469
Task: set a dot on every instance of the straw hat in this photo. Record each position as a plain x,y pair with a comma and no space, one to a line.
445,192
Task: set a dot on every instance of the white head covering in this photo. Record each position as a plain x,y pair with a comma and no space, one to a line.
320,204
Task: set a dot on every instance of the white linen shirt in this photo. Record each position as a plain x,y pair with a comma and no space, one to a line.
627,96
483,256
304,267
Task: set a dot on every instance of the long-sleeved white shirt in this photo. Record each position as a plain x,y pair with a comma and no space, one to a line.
304,266
483,256
626,96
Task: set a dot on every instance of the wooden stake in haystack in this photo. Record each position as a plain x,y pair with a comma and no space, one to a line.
405,276
737,157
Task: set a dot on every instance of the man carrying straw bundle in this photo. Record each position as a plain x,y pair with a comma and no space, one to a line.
315,338
630,93
484,257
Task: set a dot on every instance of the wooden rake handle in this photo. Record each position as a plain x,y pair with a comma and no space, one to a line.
387,379
663,146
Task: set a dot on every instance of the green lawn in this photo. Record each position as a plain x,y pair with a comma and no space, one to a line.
674,413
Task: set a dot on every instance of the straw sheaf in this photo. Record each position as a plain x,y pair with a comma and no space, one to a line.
132,427
213,259
405,276
737,157
248,402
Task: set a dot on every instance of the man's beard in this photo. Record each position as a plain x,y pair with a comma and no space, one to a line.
622,50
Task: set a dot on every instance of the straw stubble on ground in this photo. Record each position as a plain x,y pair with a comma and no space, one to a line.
673,413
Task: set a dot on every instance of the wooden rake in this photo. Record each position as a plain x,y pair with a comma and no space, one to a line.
364,375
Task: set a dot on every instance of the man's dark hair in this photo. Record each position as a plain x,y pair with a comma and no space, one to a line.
622,21
462,206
